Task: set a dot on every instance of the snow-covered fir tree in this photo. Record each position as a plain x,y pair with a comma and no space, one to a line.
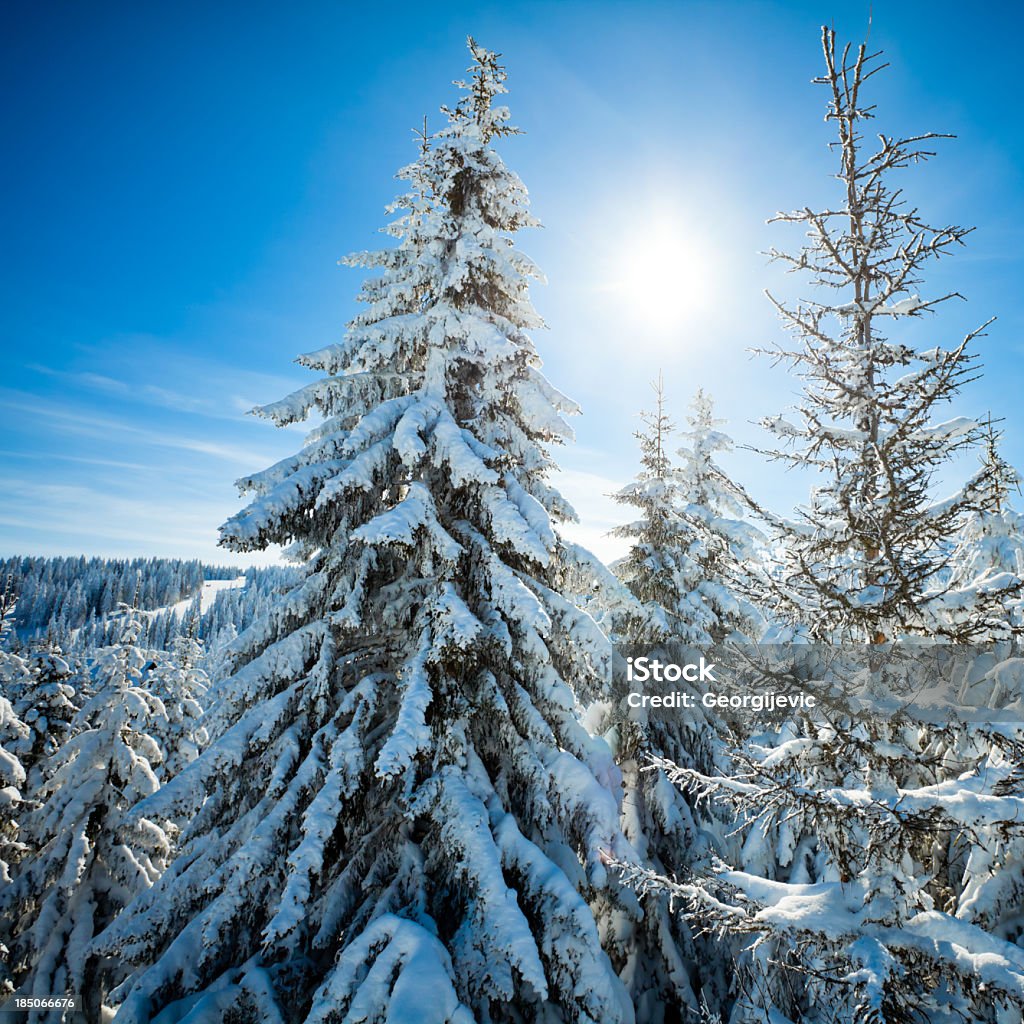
14,737
724,544
13,732
181,683
655,955
989,554
400,817
12,809
47,704
659,541
689,549
691,546
14,672
86,863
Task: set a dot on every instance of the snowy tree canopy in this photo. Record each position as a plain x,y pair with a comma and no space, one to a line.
87,861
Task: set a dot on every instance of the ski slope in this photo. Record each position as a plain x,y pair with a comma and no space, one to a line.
207,595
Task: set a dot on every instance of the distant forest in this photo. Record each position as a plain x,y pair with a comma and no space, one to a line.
72,603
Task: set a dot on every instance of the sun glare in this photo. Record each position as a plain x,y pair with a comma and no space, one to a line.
661,280
662,275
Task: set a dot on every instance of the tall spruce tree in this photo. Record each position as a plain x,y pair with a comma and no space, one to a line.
655,956
401,817
690,551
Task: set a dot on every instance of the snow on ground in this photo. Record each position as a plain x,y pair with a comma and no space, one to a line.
209,592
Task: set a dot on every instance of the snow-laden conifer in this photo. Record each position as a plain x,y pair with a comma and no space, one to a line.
989,872
86,863
654,955
179,680
689,550
659,540
690,545
48,704
854,930
989,553
12,808
401,817
13,733
724,545
14,738
15,676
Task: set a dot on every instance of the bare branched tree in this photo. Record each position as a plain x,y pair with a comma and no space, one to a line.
868,554
868,849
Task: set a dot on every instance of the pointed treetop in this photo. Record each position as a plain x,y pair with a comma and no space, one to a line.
475,109
654,440
1000,477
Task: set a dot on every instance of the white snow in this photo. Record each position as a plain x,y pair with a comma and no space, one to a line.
207,595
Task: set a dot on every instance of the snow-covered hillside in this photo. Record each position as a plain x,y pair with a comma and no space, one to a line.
207,595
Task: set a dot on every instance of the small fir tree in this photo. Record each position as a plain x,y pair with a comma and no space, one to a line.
989,553
87,863
725,546
181,683
659,539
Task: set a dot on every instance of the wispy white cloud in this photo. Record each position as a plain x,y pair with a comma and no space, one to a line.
90,424
166,398
185,403
62,507
81,459
78,518
85,378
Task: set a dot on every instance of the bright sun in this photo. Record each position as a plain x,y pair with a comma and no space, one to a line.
660,277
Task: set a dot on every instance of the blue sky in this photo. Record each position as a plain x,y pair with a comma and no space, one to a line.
182,178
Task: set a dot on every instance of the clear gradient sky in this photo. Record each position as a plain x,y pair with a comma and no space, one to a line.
180,179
